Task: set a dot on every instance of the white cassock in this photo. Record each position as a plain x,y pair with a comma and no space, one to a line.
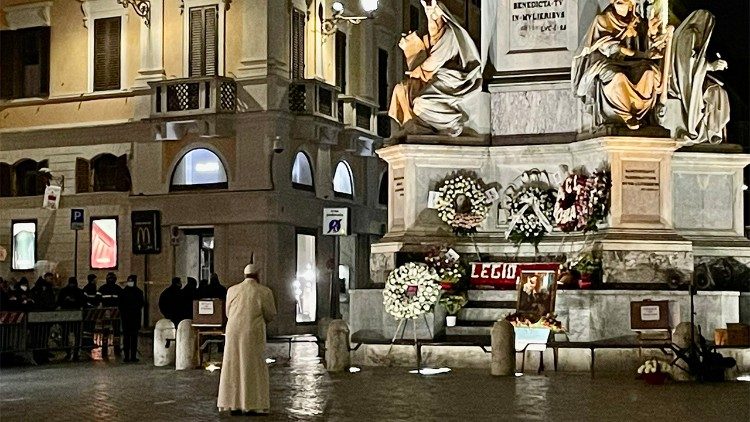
244,373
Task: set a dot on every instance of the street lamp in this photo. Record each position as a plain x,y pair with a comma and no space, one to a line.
329,25
142,8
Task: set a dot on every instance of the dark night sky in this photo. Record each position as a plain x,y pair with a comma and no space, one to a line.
731,39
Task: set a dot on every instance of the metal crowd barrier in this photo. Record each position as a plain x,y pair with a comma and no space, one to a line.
73,330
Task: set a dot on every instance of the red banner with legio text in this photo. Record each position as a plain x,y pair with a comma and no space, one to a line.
505,275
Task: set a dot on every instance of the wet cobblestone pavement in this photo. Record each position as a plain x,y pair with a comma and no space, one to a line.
302,390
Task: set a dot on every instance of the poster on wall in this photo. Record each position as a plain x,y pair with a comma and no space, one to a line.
52,197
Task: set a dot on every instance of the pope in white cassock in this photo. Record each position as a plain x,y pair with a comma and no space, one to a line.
244,374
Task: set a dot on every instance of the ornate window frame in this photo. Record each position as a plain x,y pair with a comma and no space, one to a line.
99,9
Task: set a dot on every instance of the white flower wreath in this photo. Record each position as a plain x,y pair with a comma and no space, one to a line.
411,290
470,189
532,211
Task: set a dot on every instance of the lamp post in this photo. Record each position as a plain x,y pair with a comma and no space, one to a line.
328,26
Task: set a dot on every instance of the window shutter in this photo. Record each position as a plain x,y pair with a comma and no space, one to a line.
107,54
41,181
341,61
5,179
211,41
44,51
298,45
204,41
122,175
83,175
9,65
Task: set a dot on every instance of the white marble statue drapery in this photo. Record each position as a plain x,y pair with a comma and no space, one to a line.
703,103
444,72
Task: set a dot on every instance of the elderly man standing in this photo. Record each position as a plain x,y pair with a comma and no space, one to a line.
244,375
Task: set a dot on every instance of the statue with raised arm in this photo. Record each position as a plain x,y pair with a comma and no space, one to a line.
444,77
619,66
698,108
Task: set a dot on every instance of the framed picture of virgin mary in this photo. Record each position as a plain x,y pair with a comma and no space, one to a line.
536,294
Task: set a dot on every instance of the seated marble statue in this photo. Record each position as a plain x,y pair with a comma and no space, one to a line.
444,70
619,65
698,107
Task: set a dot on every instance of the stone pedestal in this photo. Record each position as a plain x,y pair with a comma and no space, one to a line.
646,239
187,346
337,346
503,349
163,331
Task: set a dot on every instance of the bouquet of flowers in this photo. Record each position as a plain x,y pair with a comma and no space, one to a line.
453,303
654,371
411,290
548,321
446,263
462,203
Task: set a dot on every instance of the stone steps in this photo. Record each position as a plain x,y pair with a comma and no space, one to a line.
492,295
483,314
458,331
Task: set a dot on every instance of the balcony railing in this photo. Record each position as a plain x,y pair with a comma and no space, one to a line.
358,114
313,97
193,96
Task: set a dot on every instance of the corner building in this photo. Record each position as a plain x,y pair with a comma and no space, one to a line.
237,120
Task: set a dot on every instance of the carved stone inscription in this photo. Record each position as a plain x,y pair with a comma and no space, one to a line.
397,198
538,24
641,199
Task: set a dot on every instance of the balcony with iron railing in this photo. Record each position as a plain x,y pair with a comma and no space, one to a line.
315,98
193,96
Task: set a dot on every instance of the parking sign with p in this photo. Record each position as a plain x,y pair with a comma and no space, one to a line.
76,219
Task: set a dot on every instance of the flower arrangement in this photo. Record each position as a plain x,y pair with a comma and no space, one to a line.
462,203
572,206
654,371
447,264
599,186
586,263
548,321
532,210
411,290
453,302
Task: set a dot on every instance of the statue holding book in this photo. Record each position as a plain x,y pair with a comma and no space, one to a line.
444,82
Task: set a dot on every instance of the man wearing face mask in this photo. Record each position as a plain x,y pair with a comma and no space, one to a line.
131,306
21,299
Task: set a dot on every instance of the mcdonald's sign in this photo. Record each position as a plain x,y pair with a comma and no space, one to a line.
146,232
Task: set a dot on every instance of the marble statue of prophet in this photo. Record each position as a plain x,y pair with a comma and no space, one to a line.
702,102
619,65
444,71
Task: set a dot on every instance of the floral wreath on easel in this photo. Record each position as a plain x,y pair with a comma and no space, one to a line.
462,203
531,208
411,290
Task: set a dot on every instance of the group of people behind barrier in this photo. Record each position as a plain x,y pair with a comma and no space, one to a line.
126,302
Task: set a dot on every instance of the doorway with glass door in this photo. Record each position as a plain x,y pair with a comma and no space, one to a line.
194,255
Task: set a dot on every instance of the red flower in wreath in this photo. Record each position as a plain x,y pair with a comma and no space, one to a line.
572,206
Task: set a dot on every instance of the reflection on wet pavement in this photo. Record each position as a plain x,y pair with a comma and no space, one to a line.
302,390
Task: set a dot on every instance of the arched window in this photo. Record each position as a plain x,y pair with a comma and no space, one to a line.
28,179
343,183
199,169
302,176
383,191
110,173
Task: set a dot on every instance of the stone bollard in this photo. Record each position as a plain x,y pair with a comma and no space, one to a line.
163,331
503,349
681,339
187,345
337,346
